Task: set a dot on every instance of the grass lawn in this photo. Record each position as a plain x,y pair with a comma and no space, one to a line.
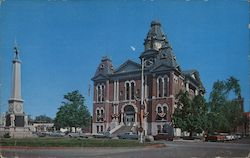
69,142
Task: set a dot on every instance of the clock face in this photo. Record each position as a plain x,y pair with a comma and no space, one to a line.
157,45
18,108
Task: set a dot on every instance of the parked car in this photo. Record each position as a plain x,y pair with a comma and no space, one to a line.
55,134
77,135
215,138
102,135
128,135
164,136
39,134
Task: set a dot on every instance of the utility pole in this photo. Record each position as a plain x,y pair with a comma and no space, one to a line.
142,99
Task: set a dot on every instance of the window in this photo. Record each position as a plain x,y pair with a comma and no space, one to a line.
162,86
103,92
132,90
97,129
100,92
100,114
101,128
129,90
159,109
166,86
159,128
165,109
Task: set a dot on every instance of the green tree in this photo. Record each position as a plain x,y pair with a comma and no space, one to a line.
191,113
73,112
43,118
225,106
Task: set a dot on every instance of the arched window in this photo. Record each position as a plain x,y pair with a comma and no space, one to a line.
129,90
103,92
99,114
159,109
166,86
132,90
97,129
165,109
100,93
160,86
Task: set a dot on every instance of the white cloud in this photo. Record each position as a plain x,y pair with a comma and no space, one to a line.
133,48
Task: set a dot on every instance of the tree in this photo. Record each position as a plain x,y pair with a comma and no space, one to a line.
225,106
73,112
190,114
43,118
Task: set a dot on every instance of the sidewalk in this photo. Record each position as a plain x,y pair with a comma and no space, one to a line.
185,140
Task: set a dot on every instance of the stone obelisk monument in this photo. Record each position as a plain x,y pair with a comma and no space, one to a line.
16,121
16,116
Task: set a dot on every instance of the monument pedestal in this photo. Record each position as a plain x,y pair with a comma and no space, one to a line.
17,132
14,120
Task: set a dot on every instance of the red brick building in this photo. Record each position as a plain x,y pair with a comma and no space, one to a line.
120,98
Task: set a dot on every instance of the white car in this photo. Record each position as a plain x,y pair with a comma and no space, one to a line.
77,135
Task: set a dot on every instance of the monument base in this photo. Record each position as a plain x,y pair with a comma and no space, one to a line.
16,132
19,120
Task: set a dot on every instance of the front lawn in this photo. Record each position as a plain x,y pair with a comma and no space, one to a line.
69,142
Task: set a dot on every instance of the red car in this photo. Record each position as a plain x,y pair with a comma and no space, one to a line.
215,138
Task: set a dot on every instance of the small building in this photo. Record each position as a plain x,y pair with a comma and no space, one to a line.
141,94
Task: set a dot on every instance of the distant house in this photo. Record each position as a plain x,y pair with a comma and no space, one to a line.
42,127
121,102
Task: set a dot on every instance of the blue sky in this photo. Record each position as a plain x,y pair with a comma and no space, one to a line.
62,43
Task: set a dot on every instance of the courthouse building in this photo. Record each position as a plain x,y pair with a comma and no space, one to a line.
120,99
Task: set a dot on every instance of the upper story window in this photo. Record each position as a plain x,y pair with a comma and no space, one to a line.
100,92
162,86
129,90
132,90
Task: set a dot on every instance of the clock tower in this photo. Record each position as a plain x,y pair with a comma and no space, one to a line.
15,115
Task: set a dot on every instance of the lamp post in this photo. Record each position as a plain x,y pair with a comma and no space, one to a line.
144,63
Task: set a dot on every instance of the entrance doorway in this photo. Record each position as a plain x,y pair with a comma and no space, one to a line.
129,115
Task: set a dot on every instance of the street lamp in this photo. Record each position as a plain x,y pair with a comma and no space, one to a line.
142,107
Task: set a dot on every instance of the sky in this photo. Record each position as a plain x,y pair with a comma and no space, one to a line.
61,43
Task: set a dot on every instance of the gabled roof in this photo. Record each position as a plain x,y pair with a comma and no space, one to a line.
128,66
99,77
193,75
165,60
105,68
161,67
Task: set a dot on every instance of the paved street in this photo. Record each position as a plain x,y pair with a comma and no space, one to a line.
173,149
